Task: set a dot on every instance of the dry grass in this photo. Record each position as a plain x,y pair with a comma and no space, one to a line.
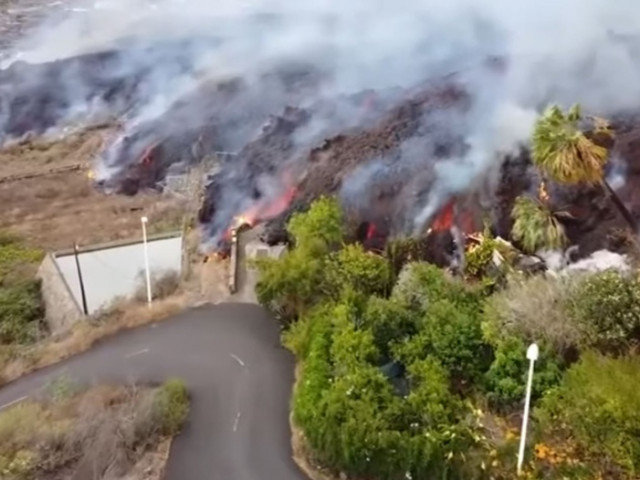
84,335
54,211
98,433
533,309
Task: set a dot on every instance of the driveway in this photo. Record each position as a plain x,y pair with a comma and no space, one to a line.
239,377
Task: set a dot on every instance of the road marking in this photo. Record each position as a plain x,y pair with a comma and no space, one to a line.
237,359
236,421
139,352
18,400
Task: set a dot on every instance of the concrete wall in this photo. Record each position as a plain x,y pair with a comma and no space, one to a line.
118,271
109,271
62,310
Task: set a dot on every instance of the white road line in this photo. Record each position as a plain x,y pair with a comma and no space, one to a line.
139,352
237,359
17,400
236,421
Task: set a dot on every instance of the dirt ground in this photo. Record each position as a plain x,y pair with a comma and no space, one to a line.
54,210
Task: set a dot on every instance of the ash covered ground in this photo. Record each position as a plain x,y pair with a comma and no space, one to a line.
403,112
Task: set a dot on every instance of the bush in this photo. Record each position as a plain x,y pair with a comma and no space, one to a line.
507,376
171,406
534,309
389,322
453,337
320,227
598,405
21,310
291,285
607,306
352,267
420,283
14,255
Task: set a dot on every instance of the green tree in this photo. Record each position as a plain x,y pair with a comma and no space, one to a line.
454,337
353,267
564,153
320,227
291,285
536,226
389,322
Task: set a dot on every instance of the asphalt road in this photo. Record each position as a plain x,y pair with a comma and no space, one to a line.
239,377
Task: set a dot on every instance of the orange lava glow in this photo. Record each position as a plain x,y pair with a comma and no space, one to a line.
371,231
444,219
263,210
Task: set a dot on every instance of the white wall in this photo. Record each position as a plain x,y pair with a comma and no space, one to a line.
117,272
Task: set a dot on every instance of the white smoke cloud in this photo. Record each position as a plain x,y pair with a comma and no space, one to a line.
585,51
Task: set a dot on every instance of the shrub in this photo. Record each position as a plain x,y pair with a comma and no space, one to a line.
389,322
507,376
20,312
598,405
352,267
607,306
420,283
533,309
291,285
14,255
320,227
453,337
171,406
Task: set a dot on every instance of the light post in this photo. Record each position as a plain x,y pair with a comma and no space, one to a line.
532,355
144,221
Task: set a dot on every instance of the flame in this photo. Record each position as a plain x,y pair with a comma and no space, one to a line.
265,209
444,219
215,256
466,222
91,175
371,231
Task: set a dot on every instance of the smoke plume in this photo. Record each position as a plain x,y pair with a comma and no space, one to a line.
583,51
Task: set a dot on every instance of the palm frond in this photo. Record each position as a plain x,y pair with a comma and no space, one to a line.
563,152
535,226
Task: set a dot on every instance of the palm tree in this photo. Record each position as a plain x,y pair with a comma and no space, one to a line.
565,154
535,225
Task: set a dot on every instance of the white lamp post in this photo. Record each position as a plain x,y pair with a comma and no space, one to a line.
144,221
532,355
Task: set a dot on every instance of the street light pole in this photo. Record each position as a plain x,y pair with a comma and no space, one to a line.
532,355
146,258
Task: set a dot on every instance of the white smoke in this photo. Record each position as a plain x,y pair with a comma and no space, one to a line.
568,51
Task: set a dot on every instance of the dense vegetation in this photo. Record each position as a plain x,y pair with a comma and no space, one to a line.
413,373
20,304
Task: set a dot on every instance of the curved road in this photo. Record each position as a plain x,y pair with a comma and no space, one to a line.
239,377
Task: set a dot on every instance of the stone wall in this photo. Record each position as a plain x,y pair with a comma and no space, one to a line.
62,311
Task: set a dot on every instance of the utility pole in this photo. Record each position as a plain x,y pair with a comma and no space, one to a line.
82,293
